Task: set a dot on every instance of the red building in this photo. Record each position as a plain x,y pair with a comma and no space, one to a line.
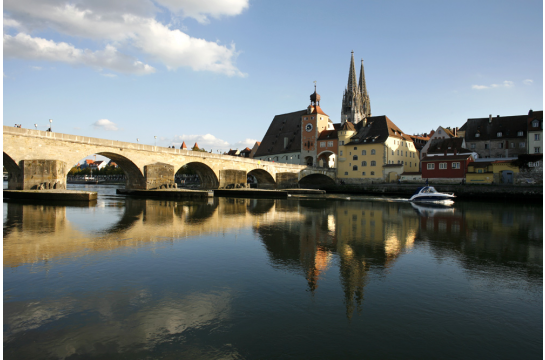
445,167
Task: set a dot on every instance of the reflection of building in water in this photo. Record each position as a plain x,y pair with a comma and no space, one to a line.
143,222
497,234
370,235
364,235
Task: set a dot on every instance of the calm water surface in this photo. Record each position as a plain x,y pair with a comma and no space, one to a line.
272,279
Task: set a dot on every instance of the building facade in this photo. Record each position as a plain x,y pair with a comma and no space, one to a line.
368,149
535,132
497,137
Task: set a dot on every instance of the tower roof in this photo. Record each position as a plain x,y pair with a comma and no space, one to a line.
363,86
352,86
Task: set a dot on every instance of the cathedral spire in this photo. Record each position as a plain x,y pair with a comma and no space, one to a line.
363,87
352,76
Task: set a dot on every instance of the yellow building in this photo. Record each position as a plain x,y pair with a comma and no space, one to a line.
488,172
374,150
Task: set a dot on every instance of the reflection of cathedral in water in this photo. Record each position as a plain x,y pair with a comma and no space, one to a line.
363,236
305,237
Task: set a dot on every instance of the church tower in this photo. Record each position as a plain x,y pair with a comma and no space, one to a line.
366,102
356,105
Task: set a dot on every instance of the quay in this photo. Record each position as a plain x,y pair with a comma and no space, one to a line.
530,193
50,195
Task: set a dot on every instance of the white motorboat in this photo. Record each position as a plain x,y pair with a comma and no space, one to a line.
428,193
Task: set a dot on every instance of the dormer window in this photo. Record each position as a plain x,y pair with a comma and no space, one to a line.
535,123
477,135
500,134
520,133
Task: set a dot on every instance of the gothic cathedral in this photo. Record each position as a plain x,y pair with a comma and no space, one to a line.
356,105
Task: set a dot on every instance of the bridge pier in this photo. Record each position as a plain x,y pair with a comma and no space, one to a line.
158,176
287,180
232,178
39,175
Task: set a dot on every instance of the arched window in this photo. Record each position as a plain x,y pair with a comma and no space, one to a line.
373,152
373,163
372,173
355,157
355,167
364,152
364,163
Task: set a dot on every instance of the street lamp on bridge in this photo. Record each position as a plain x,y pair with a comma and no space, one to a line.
155,140
50,124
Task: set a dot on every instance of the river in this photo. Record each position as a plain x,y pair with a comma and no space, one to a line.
228,278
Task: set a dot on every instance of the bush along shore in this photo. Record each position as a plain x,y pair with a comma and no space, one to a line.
533,193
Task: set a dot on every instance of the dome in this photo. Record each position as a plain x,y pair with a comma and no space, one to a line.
315,98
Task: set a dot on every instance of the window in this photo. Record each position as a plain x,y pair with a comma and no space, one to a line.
330,143
373,163
372,173
500,145
346,172
355,148
341,153
355,157
397,152
393,152
499,134
537,150
431,166
342,142
520,133
477,135
439,131
455,165
364,152
535,123
405,154
355,167
512,145
479,171
364,163
442,166
373,152
485,146
522,144
322,144
363,173
536,136
306,118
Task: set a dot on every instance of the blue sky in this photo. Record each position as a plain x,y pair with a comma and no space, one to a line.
217,71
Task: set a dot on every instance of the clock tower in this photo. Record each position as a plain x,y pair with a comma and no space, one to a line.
312,124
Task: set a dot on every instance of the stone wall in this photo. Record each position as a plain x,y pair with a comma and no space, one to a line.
287,180
231,179
159,176
42,174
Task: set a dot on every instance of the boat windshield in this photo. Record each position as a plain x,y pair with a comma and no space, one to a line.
428,190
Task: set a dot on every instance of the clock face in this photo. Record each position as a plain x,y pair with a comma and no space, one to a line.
308,127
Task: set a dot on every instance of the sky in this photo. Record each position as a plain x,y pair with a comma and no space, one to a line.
216,72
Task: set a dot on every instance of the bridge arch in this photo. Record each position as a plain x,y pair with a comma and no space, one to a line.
207,176
316,181
264,179
15,175
134,176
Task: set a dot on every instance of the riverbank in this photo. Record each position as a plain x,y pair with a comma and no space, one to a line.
532,193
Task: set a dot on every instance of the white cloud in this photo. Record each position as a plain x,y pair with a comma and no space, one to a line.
125,24
105,124
505,84
528,82
244,144
24,46
207,142
199,9
109,75
36,67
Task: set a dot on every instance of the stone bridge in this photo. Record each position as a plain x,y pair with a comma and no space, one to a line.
36,159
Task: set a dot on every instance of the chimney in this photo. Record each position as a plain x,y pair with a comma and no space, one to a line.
455,152
490,119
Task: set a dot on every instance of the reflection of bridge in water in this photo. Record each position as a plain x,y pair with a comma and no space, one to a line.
34,158
299,236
